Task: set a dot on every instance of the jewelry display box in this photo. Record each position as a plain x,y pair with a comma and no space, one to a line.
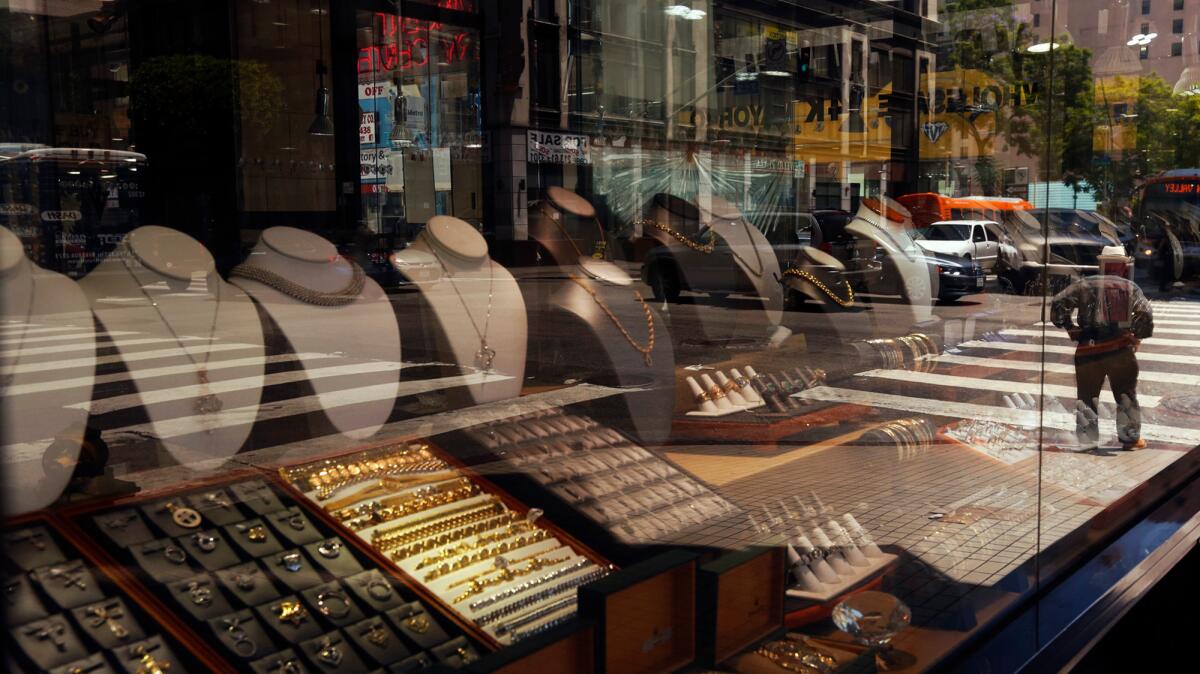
645,617
66,613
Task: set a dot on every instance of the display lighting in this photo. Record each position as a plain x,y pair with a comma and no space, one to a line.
1141,39
685,12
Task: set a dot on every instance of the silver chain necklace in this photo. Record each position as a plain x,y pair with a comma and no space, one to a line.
207,402
486,355
337,298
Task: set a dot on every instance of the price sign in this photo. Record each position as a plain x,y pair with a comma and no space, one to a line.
366,128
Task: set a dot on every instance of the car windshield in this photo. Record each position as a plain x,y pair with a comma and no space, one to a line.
943,233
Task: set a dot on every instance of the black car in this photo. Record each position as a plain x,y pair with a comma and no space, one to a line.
957,276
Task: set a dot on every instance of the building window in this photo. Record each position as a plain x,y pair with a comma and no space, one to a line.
1037,20
1178,5
1177,26
1144,53
1176,49
1102,22
1145,7
1145,29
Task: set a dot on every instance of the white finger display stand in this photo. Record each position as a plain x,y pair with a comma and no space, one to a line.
363,331
476,303
159,287
733,399
40,308
888,226
625,363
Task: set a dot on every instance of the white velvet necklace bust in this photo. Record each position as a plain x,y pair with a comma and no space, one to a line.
474,301
46,329
357,388
161,286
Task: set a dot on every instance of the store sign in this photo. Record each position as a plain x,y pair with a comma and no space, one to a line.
547,147
17,209
400,44
366,128
61,216
375,165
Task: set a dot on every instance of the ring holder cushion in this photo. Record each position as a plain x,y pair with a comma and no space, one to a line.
130,658
417,625
60,645
346,660
257,496
290,631
100,627
343,564
378,640
293,527
24,604
187,592
258,586
302,578
124,527
219,557
339,613
93,664
217,506
156,513
32,547
362,585
152,558
68,585
235,630
263,543
455,653
284,661
417,663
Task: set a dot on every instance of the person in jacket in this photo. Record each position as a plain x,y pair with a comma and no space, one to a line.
1108,316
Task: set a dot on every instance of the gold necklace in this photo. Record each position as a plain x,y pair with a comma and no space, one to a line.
705,248
644,350
807,276
601,248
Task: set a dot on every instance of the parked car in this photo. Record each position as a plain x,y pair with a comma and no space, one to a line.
1068,252
1091,222
968,239
957,276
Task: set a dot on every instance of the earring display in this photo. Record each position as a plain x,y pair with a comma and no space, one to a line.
68,616
443,528
271,577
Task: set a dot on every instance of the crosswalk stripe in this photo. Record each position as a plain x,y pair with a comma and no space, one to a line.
68,363
91,346
997,385
11,332
1175,378
1027,418
90,337
181,426
148,373
124,402
1055,348
1151,341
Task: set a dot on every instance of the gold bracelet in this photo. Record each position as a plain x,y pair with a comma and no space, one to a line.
402,535
377,512
390,485
320,473
506,574
502,563
483,553
437,540
508,531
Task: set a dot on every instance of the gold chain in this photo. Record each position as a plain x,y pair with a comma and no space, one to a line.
483,539
378,512
705,248
488,552
508,520
403,534
807,276
644,350
506,574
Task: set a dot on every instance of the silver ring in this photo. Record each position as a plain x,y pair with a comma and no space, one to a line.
330,549
201,594
244,647
296,522
174,554
292,561
327,610
379,589
206,542
244,581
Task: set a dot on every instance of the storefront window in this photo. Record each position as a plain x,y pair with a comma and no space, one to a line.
593,336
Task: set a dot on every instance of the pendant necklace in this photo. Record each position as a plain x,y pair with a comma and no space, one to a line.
207,402
486,355
11,374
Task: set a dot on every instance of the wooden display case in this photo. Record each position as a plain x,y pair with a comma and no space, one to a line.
739,597
645,616
569,649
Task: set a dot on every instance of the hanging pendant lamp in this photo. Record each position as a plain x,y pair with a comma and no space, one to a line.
321,125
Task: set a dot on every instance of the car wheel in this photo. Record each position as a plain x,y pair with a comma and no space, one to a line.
664,284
